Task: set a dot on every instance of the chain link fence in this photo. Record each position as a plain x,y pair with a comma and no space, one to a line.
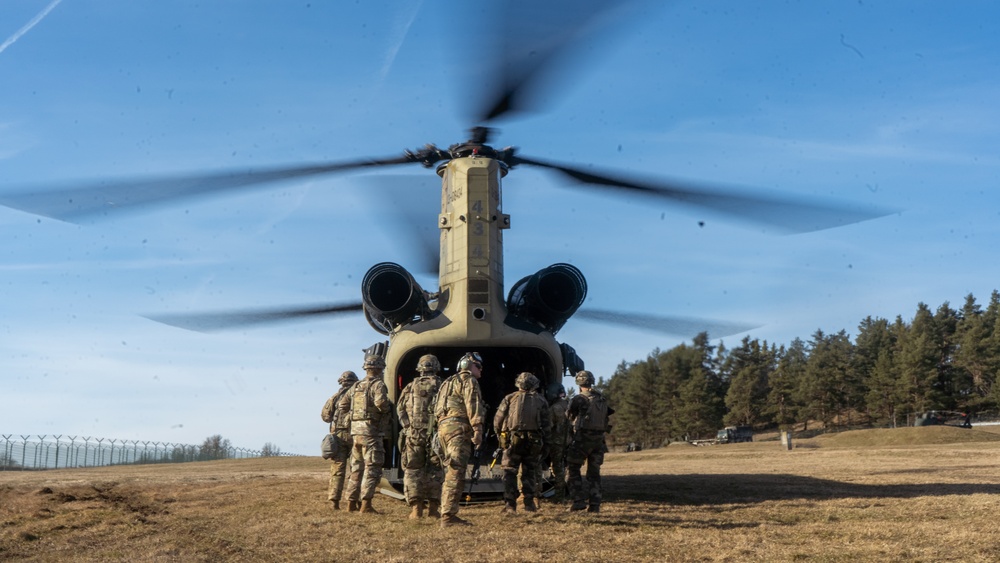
51,451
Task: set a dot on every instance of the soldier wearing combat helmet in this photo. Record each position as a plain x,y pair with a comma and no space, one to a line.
370,407
522,422
337,411
460,413
556,396
422,472
588,414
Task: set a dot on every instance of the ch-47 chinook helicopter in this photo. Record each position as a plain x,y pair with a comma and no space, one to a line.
472,310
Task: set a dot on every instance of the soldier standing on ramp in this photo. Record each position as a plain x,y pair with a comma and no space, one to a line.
337,411
588,416
522,422
422,472
460,413
370,408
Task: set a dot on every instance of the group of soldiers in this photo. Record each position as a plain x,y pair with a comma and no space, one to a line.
443,421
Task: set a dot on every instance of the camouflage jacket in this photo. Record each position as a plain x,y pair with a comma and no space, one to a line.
460,397
370,407
588,411
337,410
416,402
560,424
524,411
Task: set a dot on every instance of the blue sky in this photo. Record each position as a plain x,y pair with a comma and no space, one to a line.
890,104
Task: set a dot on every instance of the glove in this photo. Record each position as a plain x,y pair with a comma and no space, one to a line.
477,436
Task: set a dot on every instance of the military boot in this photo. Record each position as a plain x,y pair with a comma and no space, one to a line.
509,508
596,507
336,504
577,506
434,508
353,505
529,504
366,507
453,520
416,510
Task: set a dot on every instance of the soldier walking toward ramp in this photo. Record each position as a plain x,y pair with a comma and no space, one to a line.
523,424
337,411
588,416
370,408
460,413
422,472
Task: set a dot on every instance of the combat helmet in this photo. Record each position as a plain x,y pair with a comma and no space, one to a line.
373,361
526,381
554,391
584,378
347,377
468,359
428,363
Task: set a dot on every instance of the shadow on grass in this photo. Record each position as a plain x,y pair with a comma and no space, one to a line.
737,488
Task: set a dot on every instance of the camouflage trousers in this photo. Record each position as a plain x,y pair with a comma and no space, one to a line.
587,446
556,462
423,475
456,438
367,457
524,455
339,465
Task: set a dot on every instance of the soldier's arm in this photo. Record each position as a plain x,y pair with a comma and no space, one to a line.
381,397
474,403
327,413
546,422
404,417
500,416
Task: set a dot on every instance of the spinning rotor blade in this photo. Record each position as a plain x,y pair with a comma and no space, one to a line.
212,322
99,198
674,326
790,214
528,47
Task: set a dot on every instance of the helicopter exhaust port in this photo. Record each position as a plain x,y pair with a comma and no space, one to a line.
549,297
392,297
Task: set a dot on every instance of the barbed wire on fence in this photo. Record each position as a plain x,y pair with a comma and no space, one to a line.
60,451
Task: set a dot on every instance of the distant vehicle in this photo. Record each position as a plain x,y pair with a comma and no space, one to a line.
944,418
734,434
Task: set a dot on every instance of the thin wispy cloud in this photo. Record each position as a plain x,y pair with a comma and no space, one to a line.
28,26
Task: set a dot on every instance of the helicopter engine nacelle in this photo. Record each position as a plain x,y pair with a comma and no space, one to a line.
549,297
392,297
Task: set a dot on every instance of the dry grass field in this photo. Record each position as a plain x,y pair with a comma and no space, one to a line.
908,494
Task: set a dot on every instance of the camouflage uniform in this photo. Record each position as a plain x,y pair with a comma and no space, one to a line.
422,471
522,422
370,408
337,411
557,445
588,417
460,414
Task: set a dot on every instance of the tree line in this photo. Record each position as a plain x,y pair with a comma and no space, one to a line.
946,359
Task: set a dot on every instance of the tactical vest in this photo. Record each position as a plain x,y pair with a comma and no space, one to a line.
595,415
342,408
523,412
420,402
362,407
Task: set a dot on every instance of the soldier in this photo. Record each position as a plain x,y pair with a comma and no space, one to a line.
422,472
556,395
522,422
337,411
460,413
588,417
369,408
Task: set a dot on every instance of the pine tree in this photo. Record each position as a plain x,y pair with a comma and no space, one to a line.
782,407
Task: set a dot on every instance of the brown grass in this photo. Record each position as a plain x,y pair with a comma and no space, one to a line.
912,494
